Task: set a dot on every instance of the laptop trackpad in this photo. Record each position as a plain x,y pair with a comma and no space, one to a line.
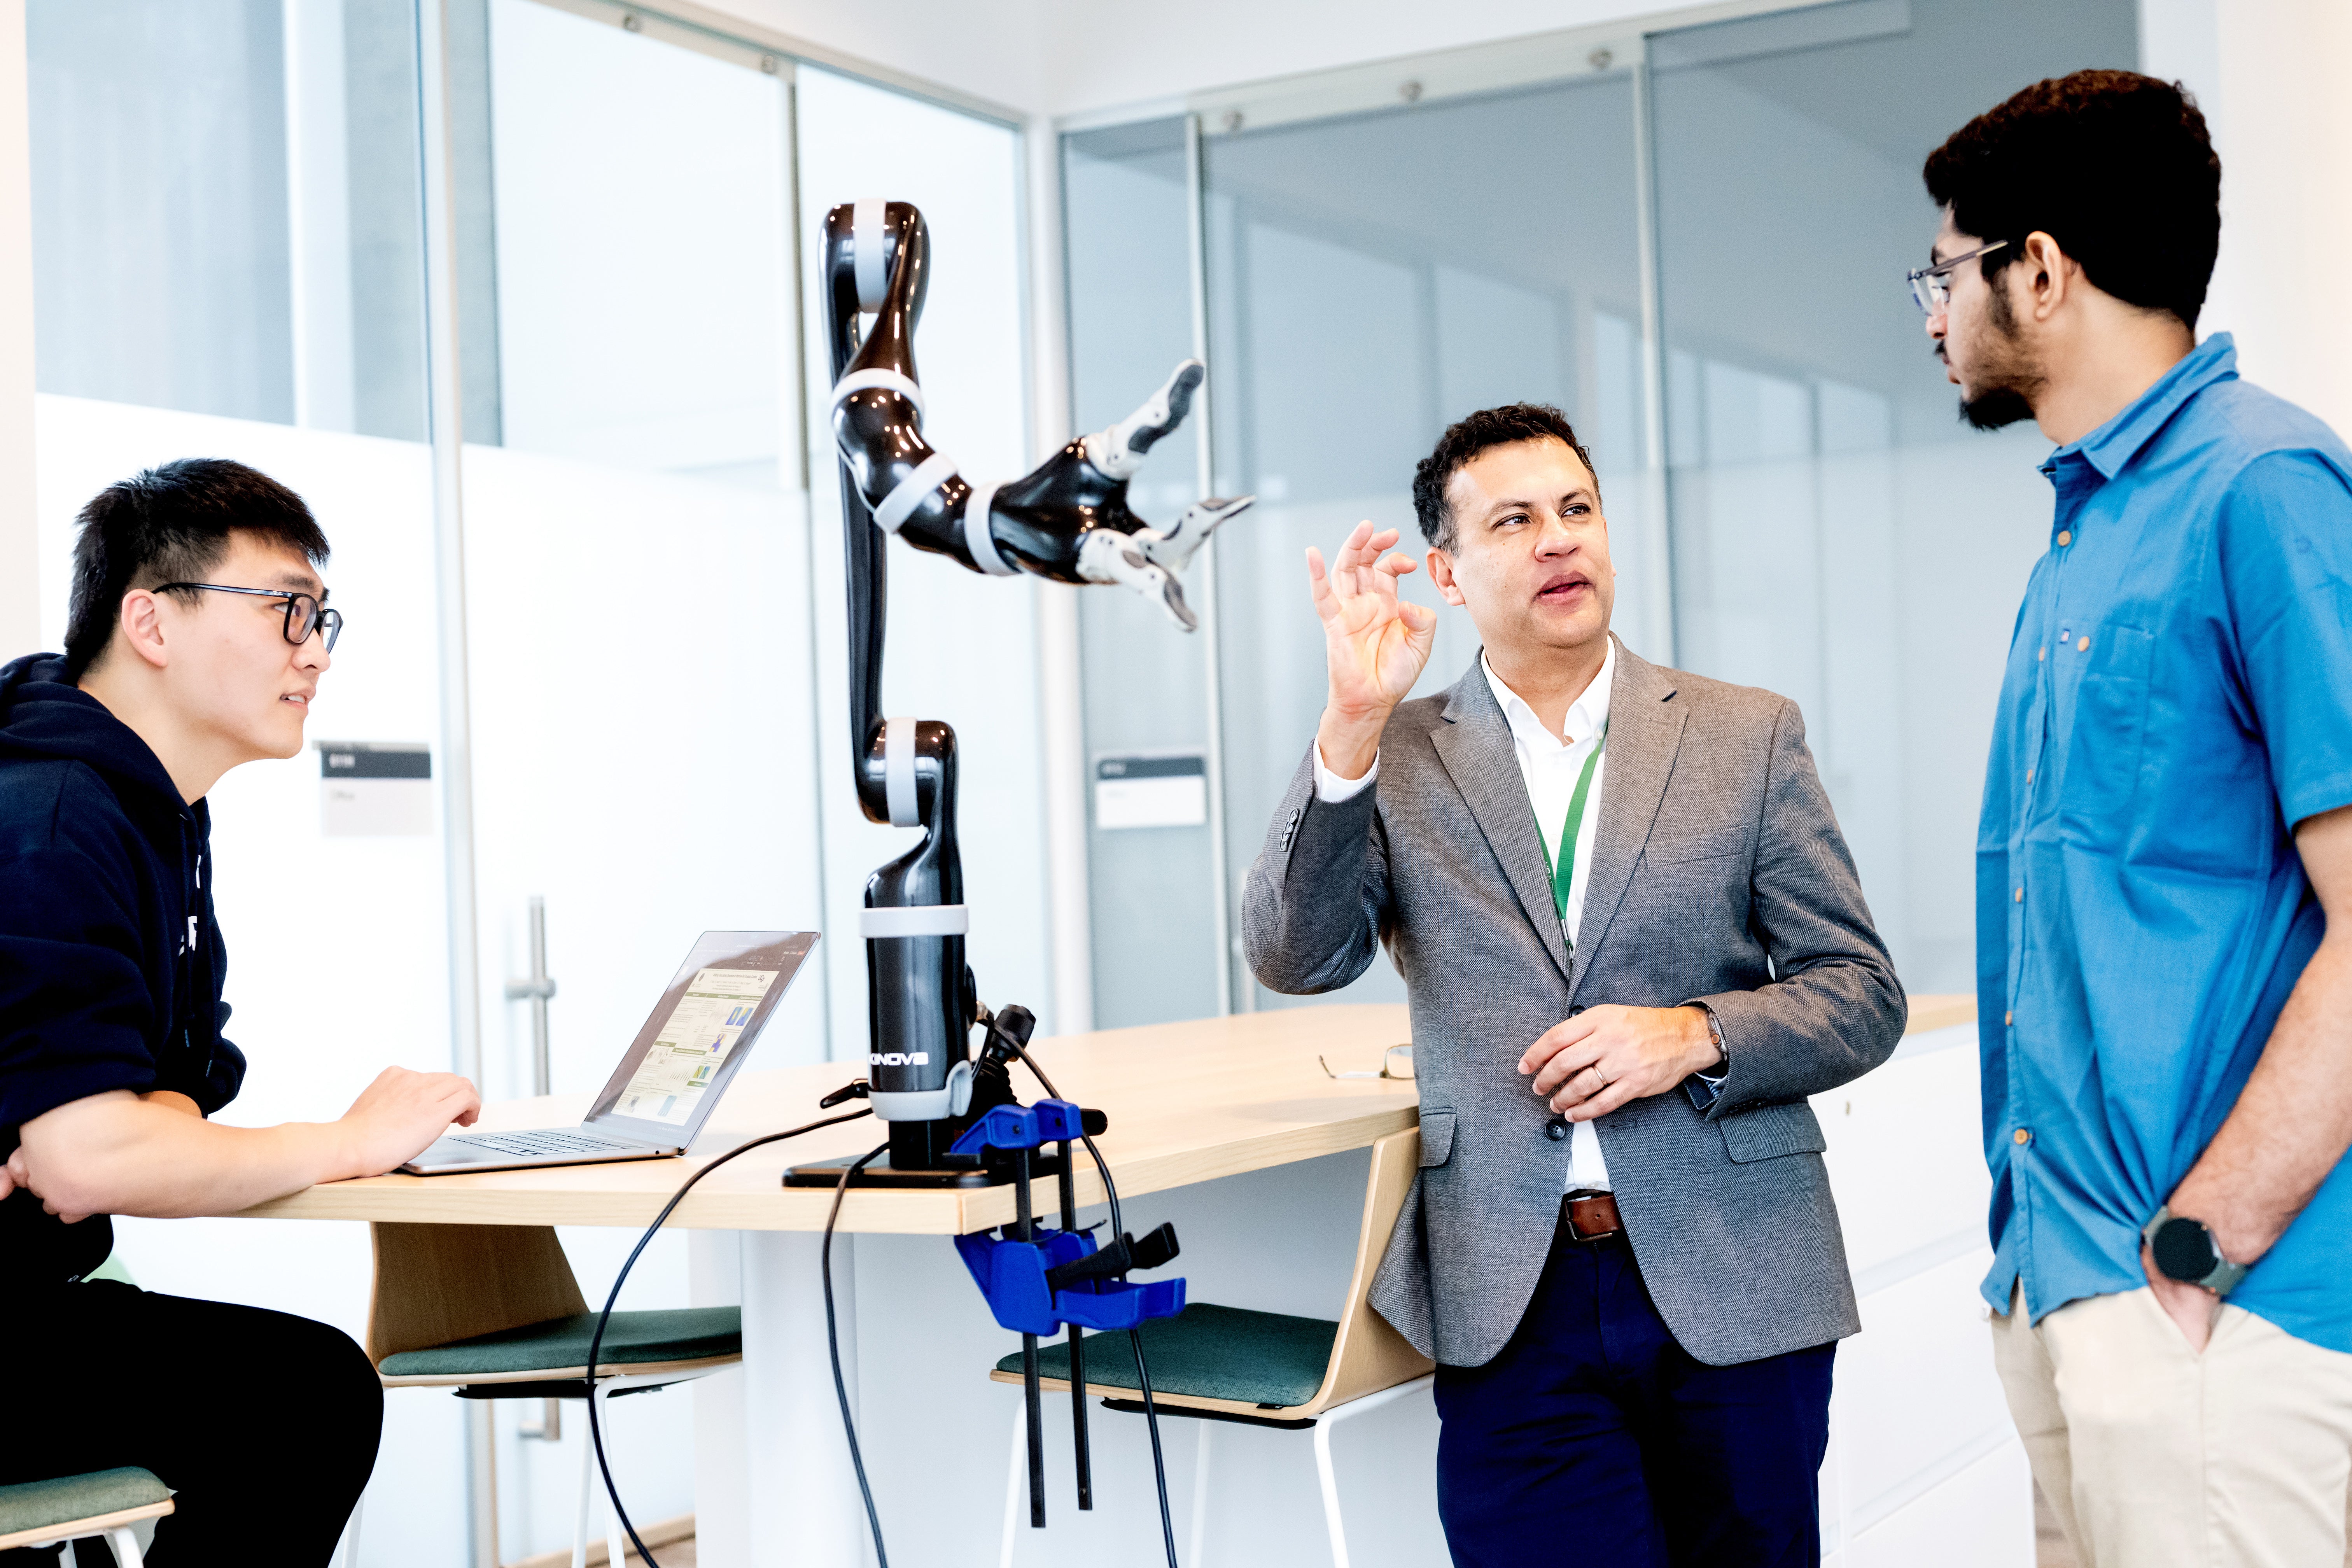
446,1153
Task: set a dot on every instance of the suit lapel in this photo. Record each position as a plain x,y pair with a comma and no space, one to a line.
1645,727
1474,744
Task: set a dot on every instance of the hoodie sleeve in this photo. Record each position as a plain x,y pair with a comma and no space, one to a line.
75,1009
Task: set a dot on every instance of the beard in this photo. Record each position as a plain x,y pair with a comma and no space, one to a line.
2008,378
1995,408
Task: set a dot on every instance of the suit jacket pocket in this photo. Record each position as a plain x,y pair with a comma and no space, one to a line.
1436,1138
1769,1132
1705,846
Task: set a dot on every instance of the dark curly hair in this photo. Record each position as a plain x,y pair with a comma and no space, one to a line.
2115,166
171,524
1462,443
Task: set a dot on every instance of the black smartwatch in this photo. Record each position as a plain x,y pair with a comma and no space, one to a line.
2184,1250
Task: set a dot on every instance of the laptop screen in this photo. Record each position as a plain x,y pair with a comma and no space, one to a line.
699,1032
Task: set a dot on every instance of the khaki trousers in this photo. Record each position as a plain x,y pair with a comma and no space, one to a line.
2155,1456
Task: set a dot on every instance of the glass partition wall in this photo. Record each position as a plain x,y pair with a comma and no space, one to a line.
231,217
1691,242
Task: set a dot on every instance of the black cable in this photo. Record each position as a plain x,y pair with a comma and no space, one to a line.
596,1339
1134,1338
832,1348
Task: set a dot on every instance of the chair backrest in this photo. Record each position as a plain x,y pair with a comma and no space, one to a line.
436,1283
1369,1356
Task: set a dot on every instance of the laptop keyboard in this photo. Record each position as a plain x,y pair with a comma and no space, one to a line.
549,1142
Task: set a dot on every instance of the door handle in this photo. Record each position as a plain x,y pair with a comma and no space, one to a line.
537,988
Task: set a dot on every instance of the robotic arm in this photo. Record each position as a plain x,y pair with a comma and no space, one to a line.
1068,521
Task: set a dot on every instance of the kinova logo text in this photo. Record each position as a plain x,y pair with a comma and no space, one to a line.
899,1058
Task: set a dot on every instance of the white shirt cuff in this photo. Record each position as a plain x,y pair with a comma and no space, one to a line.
1332,789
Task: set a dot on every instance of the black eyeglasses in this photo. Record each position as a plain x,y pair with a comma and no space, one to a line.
1932,286
304,614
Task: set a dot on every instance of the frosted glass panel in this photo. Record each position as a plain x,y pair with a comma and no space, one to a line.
643,289
1152,889
1838,536
1365,291
225,208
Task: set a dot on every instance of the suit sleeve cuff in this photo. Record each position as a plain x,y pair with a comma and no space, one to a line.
1332,789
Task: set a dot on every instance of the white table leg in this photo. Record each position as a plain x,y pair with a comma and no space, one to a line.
723,1491
805,1510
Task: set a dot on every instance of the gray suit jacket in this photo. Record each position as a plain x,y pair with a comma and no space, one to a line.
1719,876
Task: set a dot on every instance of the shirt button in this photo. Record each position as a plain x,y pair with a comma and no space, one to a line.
2022,1136
2008,1018
2040,654
2021,895
2028,775
2065,537
2082,645
1556,1129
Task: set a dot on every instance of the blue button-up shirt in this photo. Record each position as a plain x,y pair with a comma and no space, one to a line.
2179,695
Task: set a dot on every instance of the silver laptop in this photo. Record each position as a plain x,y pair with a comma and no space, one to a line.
674,1073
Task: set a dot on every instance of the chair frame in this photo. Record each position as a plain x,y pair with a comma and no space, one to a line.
437,1283
115,1527
1372,1365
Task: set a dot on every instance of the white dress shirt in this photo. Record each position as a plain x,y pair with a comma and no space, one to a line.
1550,767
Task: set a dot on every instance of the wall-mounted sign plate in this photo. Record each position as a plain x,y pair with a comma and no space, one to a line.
1166,790
375,789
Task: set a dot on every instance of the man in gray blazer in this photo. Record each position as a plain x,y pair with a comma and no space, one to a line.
1634,943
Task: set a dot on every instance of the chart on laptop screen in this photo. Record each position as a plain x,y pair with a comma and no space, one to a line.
693,1042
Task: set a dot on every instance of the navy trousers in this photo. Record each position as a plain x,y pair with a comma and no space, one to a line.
1594,1438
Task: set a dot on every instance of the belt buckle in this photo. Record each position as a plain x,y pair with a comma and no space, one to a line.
1567,1214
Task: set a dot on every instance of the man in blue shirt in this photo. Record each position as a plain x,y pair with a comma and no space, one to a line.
2164,867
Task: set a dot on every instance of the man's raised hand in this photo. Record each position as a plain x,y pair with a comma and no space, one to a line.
1375,645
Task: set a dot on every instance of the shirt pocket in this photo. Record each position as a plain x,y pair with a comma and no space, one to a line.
1769,1132
1436,1138
2104,735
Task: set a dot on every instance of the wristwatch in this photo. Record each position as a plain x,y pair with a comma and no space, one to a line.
2184,1250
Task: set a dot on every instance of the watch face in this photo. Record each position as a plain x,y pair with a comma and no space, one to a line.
2184,1249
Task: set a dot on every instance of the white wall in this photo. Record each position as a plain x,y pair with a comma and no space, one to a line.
20,604
2269,75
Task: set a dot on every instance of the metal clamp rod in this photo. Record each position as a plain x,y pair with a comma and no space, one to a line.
537,989
1069,1195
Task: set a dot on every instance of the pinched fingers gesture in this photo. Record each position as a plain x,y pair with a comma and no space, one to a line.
1376,643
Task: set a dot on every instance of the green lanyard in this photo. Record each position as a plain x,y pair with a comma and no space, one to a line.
1563,870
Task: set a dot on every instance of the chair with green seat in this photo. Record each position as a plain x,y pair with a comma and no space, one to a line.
71,1508
1261,1369
493,1312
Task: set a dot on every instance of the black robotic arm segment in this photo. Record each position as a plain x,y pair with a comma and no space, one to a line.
1045,522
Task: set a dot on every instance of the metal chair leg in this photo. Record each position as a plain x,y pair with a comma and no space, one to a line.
1013,1476
350,1534
1331,1483
587,1485
1200,1496
615,1542
126,1547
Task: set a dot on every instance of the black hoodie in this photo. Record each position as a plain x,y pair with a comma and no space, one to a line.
110,965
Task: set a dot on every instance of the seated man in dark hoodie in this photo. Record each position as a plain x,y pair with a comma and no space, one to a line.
198,637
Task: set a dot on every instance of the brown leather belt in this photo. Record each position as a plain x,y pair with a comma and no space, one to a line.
1590,1216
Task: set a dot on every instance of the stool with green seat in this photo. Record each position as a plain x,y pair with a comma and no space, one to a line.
71,1508
1261,1369
493,1312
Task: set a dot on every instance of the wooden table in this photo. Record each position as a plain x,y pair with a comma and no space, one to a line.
1188,1102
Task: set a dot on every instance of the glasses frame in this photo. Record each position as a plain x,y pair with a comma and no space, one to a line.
325,623
1931,286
